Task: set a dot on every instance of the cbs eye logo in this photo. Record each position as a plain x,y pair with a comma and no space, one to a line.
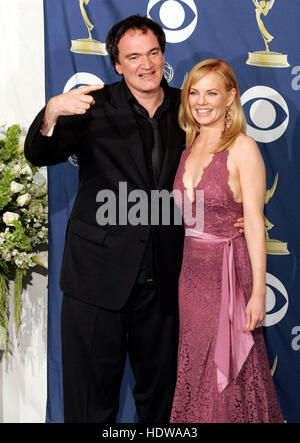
268,112
82,79
177,17
277,300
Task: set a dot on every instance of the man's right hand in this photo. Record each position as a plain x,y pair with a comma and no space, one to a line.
74,102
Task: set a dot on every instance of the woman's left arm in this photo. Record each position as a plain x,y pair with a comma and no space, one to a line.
253,185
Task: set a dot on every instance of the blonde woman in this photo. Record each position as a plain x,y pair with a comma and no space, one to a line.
223,370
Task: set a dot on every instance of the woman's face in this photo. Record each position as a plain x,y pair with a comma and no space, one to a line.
208,100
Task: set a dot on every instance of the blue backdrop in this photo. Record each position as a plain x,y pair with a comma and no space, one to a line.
269,85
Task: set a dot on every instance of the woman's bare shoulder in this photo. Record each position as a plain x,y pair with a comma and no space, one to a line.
244,146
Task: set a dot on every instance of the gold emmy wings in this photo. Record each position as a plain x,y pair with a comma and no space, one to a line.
87,45
274,247
267,58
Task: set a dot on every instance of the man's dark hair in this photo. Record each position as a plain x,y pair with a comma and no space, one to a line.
133,22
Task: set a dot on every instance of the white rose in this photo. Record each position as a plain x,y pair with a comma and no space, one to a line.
16,187
2,122
24,199
10,217
2,137
23,260
6,255
26,170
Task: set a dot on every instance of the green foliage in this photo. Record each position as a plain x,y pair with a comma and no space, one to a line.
18,237
9,149
4,310
23,224
5,188
17,299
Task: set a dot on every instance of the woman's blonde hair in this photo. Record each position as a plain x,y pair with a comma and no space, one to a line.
187,121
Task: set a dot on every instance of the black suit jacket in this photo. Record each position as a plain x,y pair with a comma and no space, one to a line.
101,263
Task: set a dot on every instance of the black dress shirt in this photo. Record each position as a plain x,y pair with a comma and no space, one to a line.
151,141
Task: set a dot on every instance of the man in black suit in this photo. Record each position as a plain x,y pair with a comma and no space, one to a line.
119,279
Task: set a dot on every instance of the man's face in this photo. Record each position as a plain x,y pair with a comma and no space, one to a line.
140,61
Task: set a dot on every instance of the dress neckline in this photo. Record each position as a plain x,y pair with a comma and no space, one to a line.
204,169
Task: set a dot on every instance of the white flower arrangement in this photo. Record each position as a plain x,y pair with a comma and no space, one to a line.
23,222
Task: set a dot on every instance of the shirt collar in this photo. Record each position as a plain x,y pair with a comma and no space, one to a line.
131,99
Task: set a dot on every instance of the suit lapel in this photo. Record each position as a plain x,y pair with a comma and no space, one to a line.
122,118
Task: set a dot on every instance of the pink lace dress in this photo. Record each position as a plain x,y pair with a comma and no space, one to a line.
248,393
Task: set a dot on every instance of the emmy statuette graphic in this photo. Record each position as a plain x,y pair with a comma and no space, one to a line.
274,247
273,369
267,58
168,72
87,45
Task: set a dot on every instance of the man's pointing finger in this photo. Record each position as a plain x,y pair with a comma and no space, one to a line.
90,88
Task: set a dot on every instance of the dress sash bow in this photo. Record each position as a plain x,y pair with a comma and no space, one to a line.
233,344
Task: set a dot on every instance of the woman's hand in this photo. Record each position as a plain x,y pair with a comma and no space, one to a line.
240,224
255,311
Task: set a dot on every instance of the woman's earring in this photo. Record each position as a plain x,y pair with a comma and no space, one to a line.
228,119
